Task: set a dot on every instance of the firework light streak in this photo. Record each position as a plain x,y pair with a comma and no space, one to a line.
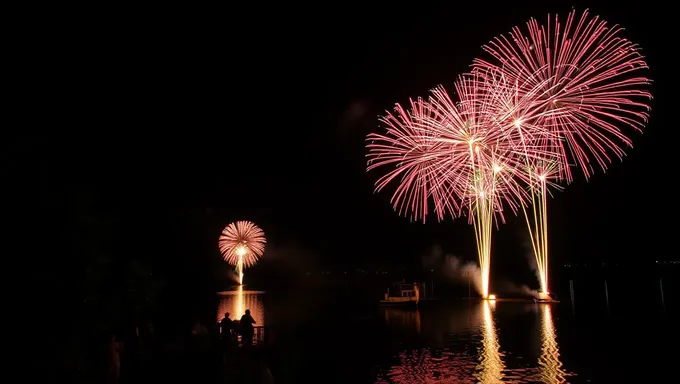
585,78
242,244
541,175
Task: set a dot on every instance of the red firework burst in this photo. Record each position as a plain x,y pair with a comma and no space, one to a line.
242,239
417,162
586,83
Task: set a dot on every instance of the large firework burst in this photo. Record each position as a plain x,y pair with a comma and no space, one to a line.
585,69
586,86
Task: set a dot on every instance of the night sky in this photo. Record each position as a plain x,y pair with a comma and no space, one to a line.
161,130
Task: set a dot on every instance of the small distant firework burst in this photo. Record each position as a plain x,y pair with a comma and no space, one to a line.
545,103
242,244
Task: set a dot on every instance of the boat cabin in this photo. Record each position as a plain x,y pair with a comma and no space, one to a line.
402,293
401,289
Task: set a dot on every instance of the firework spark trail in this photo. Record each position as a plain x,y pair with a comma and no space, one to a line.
242,244
542,175
586,79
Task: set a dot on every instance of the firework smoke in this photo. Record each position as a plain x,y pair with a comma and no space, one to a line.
458,270
510,288
528,253
454,268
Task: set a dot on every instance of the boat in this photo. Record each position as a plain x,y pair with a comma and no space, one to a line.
405,294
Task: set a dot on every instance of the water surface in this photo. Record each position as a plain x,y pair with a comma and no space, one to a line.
344,339
464,346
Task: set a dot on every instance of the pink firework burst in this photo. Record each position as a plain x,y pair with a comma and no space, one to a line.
485,148
242,240
587,84
518,111
457,153
417,163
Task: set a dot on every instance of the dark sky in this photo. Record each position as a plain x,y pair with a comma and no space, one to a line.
169,125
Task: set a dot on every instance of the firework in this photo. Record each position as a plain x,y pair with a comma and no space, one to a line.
585,82
486,145
242,244
416,160
459,155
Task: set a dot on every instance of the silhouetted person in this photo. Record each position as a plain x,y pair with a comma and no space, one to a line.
226,335
200,358
147,350
199,329
247,330
416,291
200,338
114,348
226,326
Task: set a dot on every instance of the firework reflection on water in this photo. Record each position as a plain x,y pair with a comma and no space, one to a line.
236,302
465,346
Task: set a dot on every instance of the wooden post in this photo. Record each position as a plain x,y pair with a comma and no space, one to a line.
606,294
571,293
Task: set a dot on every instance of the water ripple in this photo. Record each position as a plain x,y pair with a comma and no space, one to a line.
469,351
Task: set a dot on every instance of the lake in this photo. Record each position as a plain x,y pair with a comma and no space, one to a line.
341,338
